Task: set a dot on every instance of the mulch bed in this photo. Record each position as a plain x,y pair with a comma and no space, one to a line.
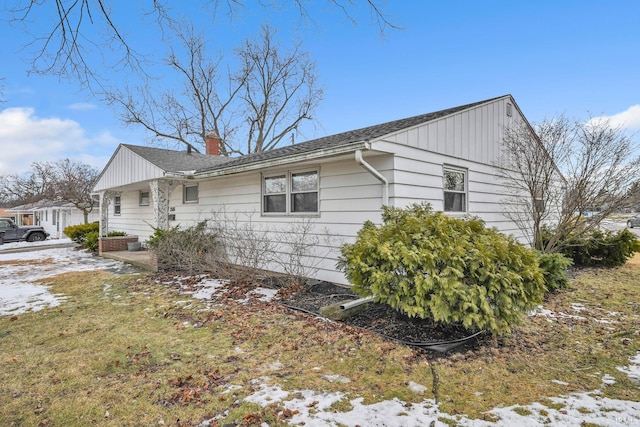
381,318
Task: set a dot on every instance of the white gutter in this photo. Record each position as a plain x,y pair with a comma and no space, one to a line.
378,175
278,161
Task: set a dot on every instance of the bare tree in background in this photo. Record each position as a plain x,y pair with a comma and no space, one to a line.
65,33
566,169
252,109
73,184
66,181
30,187
279,92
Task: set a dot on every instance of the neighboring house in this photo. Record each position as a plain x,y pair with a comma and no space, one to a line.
53,216
5,214
447,158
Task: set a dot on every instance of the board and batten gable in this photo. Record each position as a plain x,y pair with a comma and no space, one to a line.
474,134
126,167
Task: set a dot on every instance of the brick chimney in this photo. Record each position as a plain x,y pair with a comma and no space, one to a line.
213,143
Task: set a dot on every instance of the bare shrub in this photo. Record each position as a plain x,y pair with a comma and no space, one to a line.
293,249
192,250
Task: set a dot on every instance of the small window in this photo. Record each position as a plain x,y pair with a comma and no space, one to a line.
46,216
116,205
190,194
509,107
144,198
455,190
54,217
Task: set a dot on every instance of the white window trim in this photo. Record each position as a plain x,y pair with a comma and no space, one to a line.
288,193
115,198
184,194
465,171
140,198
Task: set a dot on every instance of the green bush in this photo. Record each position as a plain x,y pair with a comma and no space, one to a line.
601,248
88,235
91,241
428,264
554,270
78,233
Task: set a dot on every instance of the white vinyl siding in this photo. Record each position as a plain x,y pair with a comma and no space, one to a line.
125,168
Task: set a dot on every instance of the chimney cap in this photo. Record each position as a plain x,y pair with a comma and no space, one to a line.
213,134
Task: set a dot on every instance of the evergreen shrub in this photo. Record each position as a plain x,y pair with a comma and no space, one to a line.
601,248
554,270
78,233
454,270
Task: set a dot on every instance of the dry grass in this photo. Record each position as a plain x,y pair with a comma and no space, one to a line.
127,351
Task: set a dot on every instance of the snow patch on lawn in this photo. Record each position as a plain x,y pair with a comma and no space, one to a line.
633,370
23,281
314,409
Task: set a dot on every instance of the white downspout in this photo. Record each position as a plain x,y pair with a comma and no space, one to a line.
378,175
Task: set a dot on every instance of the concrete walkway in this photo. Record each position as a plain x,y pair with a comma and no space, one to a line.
141,259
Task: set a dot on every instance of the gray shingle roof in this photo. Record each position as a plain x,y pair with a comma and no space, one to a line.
331,141
175,161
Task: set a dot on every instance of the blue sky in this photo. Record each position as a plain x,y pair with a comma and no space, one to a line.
572,57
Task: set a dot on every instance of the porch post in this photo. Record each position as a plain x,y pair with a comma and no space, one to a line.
160,191
105,200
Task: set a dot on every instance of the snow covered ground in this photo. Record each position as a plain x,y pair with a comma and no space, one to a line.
23,277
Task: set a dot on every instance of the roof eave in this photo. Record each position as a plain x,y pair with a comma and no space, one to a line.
280,161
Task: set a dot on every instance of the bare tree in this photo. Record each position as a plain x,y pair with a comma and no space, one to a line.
562,170
279,90
62,181
31,187
67,33
73,184
251,109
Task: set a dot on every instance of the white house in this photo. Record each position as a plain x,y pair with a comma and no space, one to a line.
54,216
335,183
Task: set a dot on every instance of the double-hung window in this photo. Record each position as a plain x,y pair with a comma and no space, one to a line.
455,189
290,193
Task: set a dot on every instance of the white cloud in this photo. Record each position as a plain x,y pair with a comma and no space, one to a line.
26,138
82,106
629,119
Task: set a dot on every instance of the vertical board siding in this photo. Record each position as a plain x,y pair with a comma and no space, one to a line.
127,167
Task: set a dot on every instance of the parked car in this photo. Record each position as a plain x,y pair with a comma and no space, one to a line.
11,232
633,222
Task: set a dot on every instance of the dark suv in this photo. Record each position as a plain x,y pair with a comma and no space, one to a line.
10,232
